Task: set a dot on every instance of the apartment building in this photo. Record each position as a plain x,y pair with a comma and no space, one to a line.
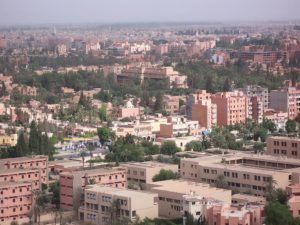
72,183
243,172
39,163
16,200
179,126
286,100
171,195
131,204
195,98
143,172
284,146
231,107
293,192
205,112
257,101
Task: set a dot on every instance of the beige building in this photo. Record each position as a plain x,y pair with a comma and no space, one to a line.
179,126
171,192
106,205
143,172
72,183
242,172
284,146
8,140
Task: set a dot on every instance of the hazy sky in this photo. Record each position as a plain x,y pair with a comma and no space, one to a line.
111,11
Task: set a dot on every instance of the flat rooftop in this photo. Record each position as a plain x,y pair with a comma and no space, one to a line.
233,161
285,138
148,164
185,187
118,191
94,171
249,198
18,159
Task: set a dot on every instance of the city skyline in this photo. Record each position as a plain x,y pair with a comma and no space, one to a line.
56,12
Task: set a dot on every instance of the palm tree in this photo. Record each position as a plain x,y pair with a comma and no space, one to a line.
82,155
113,209
37,211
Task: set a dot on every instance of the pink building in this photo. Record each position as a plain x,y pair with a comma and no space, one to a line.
228,215
294,202
39,163
16,200
232,107
72,184
283,146
205,112
128,112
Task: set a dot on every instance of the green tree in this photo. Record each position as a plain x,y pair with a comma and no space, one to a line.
258,147
269,125
33,143
290,126
277,214
165,175
227,85
103,113
22,145
169,148
159,104
55,189
2,89
261,133
195,146
104,134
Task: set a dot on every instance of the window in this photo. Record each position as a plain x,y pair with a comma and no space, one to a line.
133,213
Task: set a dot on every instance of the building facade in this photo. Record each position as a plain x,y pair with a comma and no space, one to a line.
130,204
72,184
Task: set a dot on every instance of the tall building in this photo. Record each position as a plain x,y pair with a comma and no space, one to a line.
16,200
100,200
72,183
195,98
205,112
257,101
19,179
231,107
286,100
